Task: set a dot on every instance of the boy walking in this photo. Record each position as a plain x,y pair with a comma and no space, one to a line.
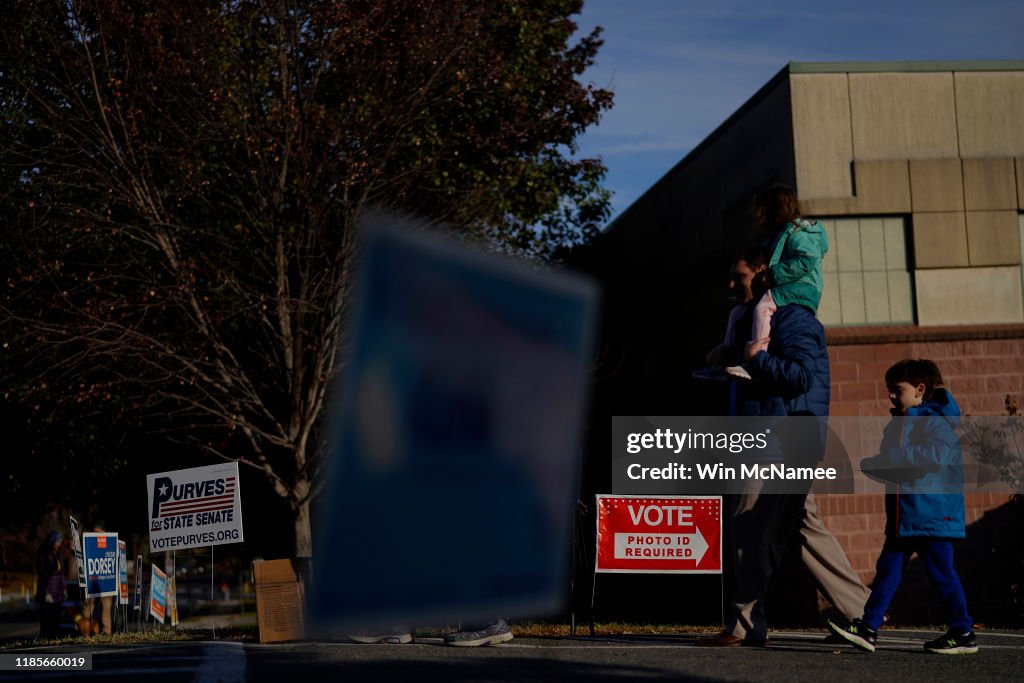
924,504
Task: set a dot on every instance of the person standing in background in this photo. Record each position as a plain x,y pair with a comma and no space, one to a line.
51,590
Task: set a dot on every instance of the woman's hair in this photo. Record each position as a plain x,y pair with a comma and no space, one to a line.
915,371
775,207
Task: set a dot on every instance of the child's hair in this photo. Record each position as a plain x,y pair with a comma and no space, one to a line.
915,371
776,206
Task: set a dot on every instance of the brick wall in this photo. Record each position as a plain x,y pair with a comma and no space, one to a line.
979,373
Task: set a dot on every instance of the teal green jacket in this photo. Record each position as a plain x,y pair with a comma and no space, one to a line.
795,266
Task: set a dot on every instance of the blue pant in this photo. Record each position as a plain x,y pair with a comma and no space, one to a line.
938,562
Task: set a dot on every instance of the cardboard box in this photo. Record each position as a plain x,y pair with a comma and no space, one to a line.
279,598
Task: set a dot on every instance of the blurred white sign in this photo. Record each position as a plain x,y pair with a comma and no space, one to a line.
456,436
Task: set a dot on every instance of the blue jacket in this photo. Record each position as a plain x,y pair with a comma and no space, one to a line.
930,501
791,378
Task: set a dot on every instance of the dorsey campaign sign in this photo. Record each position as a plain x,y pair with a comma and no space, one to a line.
100,564
659,535
195,507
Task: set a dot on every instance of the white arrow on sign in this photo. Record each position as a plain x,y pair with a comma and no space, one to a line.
699,545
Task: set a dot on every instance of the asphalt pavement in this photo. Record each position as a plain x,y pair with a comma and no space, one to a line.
792,656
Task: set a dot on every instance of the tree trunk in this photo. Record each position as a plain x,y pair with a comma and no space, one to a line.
303,532
303,545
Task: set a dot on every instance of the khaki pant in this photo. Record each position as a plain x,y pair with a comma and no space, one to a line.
761,525
828,564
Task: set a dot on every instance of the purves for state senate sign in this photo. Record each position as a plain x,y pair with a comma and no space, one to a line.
196,507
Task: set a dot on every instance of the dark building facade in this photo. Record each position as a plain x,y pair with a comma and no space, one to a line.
917,172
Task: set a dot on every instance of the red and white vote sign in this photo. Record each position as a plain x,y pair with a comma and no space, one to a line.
659,534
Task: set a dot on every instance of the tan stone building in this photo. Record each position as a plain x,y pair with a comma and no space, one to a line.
917,171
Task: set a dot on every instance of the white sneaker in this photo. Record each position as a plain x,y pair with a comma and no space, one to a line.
715,373
495,633
738,371
399,635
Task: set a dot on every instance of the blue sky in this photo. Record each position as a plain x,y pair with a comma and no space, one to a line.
679,68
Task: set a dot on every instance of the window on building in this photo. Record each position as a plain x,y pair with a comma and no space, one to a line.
867,277
1020,227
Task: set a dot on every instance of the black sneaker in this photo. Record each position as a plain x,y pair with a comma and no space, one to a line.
953,644
857,633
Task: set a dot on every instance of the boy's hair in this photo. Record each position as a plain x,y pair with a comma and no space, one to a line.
776,206
915,371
